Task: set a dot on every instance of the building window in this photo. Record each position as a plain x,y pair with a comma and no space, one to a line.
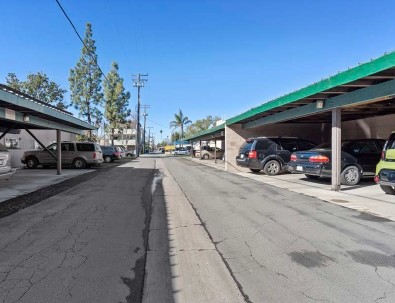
12,143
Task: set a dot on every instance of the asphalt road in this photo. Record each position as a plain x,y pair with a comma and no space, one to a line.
82,244
281,246
166,229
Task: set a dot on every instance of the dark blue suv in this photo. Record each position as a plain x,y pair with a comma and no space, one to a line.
270,154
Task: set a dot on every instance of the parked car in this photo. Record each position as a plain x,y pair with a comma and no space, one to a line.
110,153
270,154
6,171
385,169
181,151
211,153
358,159
76,154
121,150
129,154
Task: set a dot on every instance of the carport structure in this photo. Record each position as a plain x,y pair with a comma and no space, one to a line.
20,111
360,102
215,134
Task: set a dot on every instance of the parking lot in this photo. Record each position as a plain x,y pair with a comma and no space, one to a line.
366,197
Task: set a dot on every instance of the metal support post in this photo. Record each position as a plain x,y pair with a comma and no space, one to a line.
336,148
6,132
39,142
59,151
215,151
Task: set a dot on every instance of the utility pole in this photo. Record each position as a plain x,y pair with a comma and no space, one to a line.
149,135
145,118
153,139
138,82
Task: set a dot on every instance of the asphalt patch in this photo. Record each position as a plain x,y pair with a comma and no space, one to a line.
372,258
310,259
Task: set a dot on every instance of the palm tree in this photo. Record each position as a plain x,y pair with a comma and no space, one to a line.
179,121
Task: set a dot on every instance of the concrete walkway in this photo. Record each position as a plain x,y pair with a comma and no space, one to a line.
28,180
365,197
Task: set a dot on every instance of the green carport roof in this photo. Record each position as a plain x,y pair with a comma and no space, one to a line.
19,111
362,76
206,134
369,79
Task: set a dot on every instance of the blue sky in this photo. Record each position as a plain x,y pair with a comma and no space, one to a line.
206,57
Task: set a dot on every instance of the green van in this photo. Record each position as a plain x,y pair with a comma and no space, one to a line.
385,169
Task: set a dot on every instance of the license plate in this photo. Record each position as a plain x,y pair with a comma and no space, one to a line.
242,156
299,168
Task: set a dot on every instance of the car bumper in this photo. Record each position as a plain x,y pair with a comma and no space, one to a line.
308,169
98,162
249,163
387,177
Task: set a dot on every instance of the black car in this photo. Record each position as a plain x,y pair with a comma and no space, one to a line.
270,154
110,153
358,159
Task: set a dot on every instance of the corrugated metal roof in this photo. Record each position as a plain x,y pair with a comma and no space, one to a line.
42,115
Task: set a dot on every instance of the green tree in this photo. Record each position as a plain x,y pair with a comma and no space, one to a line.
202,124
39,86
116,100
175,136
179,122
85,82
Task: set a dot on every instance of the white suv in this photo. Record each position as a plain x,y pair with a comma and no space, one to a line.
77,154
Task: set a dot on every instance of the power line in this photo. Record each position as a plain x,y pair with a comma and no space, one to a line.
167,127
89,50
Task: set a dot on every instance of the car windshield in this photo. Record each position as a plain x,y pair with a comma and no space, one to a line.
391,142
323,145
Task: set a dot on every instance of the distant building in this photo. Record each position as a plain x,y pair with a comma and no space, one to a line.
125,137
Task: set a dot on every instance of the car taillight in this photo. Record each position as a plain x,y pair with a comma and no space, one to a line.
94,155
319,159
252,154
293,157
376,179
383,155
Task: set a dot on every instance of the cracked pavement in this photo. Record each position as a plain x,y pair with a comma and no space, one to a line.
165,230
281,246
80,245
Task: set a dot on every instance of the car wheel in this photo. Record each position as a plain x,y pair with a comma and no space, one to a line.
128,155
107,159
350,175
79,163
255,170
272,168
206,156
312,177
31,162
388,189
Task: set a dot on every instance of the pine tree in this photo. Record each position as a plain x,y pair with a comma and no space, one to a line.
40,87
116,100
85,82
